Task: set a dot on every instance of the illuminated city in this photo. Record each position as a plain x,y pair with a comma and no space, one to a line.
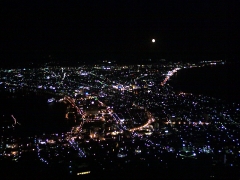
116,120
119,90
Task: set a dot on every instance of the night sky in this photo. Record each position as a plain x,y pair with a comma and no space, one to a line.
95,30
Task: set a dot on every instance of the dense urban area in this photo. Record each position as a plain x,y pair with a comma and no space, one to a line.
127,121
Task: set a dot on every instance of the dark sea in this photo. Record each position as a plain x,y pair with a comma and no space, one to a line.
220,81
34,113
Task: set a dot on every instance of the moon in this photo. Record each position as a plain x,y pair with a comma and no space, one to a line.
153,40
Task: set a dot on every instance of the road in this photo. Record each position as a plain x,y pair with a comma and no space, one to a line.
76,131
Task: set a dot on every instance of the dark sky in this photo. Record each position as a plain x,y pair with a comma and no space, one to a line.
119,29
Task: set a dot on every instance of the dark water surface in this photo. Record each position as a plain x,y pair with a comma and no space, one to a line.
221,81
34,113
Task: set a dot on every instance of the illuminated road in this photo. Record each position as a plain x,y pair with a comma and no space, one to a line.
121,127
76,147
150,120
116,118
76,131
170,73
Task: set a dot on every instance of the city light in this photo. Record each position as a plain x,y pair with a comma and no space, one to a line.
120,112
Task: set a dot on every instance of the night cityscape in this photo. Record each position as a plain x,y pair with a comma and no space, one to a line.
103,90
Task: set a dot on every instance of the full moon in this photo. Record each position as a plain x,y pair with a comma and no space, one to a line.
153,40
